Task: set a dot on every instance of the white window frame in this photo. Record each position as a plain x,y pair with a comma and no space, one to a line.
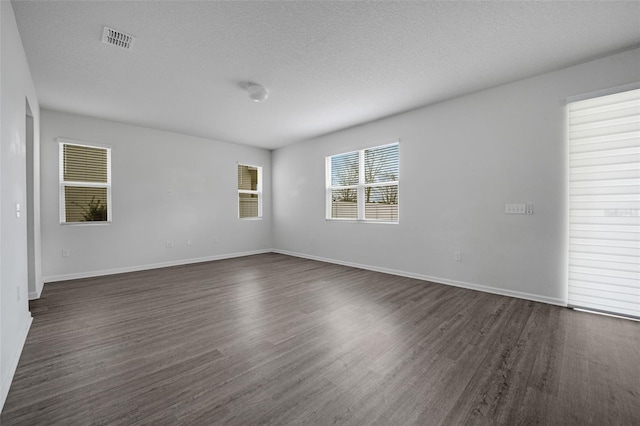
63,184
257,192
359,187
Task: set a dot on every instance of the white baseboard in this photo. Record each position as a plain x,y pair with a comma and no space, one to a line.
33,295
439,280
13,364
91,274
470,286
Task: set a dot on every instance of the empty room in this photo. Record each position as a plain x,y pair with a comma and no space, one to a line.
319,212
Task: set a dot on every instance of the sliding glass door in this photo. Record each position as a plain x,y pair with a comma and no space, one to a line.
604,203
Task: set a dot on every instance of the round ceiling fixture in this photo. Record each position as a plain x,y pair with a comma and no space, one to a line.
257,92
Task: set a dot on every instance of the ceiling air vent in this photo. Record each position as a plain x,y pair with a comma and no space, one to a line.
118,38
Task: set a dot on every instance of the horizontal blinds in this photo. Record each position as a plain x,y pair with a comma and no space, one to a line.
604,203
248,205
249,191
247,177
85,204
85,183
363,185
345,169
381,172
381,164
381,203
85,164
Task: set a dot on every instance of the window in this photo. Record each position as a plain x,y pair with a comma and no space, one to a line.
363,185
249,192
85,183
604,204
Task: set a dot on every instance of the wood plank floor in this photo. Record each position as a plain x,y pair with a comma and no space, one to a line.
272,339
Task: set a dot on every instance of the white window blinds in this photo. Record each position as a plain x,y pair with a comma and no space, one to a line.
343,193
249,191
604,203
85,183
363,185
381,170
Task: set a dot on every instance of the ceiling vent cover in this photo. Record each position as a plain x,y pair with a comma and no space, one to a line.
118,38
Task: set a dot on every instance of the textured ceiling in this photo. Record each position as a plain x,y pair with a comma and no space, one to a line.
327,65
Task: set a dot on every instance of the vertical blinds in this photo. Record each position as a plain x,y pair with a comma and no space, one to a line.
604,203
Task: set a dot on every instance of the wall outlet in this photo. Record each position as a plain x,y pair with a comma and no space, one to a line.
529,208
65,253
515,208
189,242
18,292
457,256
169,244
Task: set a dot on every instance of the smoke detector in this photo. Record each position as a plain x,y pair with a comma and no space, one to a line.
118,38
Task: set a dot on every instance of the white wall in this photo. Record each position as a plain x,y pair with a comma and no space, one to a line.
460,161
34,242
16,87
165,186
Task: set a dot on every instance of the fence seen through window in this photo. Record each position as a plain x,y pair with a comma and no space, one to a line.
363,185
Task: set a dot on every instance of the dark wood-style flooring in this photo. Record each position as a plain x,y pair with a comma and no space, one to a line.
272,339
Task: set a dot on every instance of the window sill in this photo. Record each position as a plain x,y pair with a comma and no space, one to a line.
85,223
382,222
